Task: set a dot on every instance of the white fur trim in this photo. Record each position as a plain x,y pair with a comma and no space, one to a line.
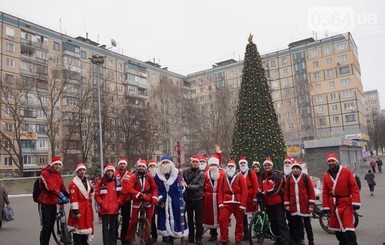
75,205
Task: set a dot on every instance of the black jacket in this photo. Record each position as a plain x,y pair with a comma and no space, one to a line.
195,181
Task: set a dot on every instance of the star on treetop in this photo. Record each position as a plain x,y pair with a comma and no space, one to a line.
250,39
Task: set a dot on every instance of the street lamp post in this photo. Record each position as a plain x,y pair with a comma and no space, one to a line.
99,61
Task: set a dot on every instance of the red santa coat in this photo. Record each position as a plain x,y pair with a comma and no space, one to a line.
339,195
52,186
106,196
147,187
80,199
252,189
211,211
234,192
298,196
124,178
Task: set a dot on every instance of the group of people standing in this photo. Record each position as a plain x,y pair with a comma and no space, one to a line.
211,195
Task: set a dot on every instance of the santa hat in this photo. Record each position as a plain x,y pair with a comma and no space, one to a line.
151,163
202,158
141,162
56,160
268,161
296,164
213,160
195,158
331,156
231,163
80,166
242,159
122,161
109,167
288,159
256,163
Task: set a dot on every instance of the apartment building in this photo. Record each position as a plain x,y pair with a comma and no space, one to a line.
315,86
372,105
58,70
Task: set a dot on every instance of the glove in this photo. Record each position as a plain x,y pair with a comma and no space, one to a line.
161,204
154,201
147,198
356,207
76,213
63,199
326,212
287,208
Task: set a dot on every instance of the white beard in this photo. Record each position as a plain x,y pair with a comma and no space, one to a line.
214,172
165,168
152,171
287,170
202,166
230,172
244,168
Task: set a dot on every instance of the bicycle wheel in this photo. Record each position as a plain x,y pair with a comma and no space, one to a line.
256,229
356,219
65,238
56,235
324,222
143,231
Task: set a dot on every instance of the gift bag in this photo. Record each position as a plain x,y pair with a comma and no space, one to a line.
8,214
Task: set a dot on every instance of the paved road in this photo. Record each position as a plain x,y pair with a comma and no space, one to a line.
26,227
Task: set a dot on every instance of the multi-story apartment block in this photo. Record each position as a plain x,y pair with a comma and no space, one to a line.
315,85
372,106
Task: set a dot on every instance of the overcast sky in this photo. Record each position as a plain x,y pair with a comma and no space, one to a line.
190,35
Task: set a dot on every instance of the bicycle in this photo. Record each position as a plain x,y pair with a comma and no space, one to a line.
260,226
323,217
62,236
143,226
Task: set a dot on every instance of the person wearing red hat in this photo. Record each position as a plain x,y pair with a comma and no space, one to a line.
193,196
340,196
252,189
141,188
107,197
152,168
287,168
271,190
123,175
232,199
211,188
81,217
53,192
299,202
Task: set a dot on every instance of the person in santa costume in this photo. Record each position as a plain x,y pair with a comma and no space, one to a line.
152,168
81,216
169,210
299,203
271,188
252,189
232,199
142,189
53,192
107,197
287,168
211,187
340,196
123,176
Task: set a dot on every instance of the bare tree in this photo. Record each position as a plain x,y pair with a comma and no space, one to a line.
375,131
15,132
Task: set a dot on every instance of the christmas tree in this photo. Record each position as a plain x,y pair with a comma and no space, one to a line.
257,134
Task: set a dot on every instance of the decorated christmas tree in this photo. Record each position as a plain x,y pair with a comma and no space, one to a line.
257,134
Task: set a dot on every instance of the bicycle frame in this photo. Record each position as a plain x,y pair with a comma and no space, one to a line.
62,236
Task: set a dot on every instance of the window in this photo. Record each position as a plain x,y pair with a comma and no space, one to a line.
273,73
10,47
284,61
329,61
342,58
320,109
344,70
327,50
120,77
341,46
83,54
8,127
285,82
56,46
314,53
27,159
334,107
348,106
7,161
336,119
120,65
10,63
319,98
110,63
350,118
315,64
317,75
331,84
274,85
285,71
346,82
330,73
322,121
347,93
291,125
273,63
318,86
289,114
9,78
42,144
9,31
